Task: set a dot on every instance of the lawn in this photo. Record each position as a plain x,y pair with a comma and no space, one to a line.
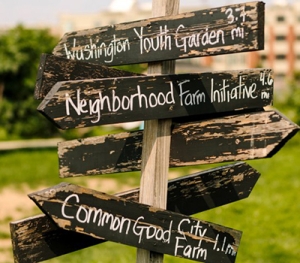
269,217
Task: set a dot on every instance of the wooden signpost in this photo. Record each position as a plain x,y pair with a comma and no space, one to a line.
100,215
85,103
37,238
53,69
237,137
228,124
214,31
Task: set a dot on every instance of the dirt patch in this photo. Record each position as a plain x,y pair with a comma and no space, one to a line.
109,186
15,205
5,255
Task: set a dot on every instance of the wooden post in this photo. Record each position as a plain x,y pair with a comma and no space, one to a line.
156,143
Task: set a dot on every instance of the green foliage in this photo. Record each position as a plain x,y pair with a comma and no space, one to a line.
37,167
136,68
290,104
20,50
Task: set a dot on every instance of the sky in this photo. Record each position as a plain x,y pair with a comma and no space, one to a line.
46,12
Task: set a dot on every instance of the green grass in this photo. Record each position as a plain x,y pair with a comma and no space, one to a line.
269,217
37,167
32,167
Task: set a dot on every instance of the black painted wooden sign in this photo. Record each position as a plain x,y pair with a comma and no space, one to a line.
78,91
84,103
237,137
223,30
100,215
53,69
37,238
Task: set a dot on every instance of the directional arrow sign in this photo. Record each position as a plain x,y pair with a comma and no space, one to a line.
116,219
37,239
84,103
228,29
53,69
231,138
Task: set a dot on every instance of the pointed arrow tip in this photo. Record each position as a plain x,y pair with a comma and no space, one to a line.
48,192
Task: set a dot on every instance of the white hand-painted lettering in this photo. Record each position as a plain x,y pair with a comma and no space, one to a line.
188,251
240,92
231,16
189,99
114,103
197,40
92,215
183,93
64,206
237,32
150,231
181,246
98,50
141,230
161,39
229,248
265,95
243,13
266,80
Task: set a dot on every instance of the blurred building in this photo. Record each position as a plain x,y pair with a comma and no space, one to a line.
118,11
282,43
282,35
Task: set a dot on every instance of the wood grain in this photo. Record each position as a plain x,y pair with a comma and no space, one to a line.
37,238
99,215
156,144
223,30
53,69
237,137
85,103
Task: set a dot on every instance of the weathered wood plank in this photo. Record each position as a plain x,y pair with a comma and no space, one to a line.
222,30
53,69
231,138
37,239
100,215
84,103
156,143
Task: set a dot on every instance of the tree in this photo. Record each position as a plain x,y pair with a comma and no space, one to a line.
20,50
